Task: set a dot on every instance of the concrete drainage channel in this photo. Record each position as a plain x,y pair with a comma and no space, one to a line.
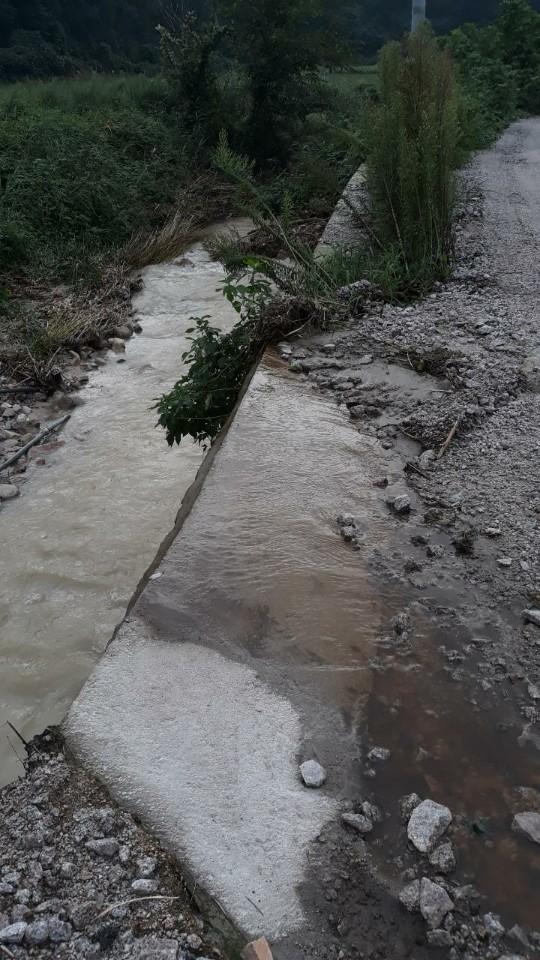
276,709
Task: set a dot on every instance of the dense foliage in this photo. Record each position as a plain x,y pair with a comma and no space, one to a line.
80,170
499,69
40,38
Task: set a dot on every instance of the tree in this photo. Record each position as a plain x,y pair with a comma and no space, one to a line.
279,45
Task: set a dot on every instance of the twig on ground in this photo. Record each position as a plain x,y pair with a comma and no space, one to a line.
412,466
448,440
7,952
126,903
17,734
31,443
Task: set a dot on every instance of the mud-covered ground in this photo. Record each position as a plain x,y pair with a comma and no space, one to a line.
80,878
453,385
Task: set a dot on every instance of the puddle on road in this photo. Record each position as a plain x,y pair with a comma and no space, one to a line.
87,525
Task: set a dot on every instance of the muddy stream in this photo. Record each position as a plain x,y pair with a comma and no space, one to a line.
75,544
89,521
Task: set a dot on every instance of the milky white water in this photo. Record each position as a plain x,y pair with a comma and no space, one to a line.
88,523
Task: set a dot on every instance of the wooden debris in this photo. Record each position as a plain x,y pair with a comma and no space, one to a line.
31,443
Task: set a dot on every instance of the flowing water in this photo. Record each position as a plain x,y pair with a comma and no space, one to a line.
90,520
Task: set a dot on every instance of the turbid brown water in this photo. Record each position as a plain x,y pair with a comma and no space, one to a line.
75,544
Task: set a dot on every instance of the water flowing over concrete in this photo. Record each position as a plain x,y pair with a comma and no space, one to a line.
74,546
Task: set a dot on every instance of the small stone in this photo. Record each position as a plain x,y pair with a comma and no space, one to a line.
532,616
312,773
155,948
434,903
379,753
410,896
59,930
534,691
117,345
257,950
427,823
37,932
493,925
439,938
435,551
493,532
442,858
400,504
123,333
144,885
504,561
67,869
106,847
6,888
371,811
358,822
528,825
193,941
14,933
518,935
146,866
346,520
8,491
348,533
408,804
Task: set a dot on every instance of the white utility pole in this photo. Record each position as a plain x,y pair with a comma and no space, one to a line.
418,13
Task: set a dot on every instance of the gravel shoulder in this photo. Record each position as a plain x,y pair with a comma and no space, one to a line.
80,878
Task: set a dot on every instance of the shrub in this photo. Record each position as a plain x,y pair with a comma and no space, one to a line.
412,134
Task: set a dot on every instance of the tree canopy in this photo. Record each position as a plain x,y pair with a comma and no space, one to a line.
40,38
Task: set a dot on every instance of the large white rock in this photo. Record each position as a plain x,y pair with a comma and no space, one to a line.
528,824
427,823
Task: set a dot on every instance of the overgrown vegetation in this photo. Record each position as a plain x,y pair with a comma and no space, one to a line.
498,67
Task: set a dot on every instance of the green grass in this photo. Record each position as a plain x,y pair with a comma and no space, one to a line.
84,165
362,79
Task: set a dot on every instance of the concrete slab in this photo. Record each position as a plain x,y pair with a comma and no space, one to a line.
246,653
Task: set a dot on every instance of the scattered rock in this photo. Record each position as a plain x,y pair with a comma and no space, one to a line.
358,822
14,933
408,804
439,938
37,933
532,616
379,754
59,931
144,885
155,948
528,825
117,345
105,847
8,491
442,858
400,504
410,896
427,823
493,925
434,902
313,774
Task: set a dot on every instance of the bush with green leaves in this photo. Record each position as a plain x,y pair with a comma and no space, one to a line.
200,402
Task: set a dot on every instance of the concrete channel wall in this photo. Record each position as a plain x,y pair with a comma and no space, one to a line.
234,662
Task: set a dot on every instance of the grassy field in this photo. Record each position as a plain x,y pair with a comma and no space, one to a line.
84,164
358,80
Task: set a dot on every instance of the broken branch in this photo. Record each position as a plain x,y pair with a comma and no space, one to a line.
31,443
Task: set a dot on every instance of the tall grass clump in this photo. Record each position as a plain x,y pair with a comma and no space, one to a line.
412,150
